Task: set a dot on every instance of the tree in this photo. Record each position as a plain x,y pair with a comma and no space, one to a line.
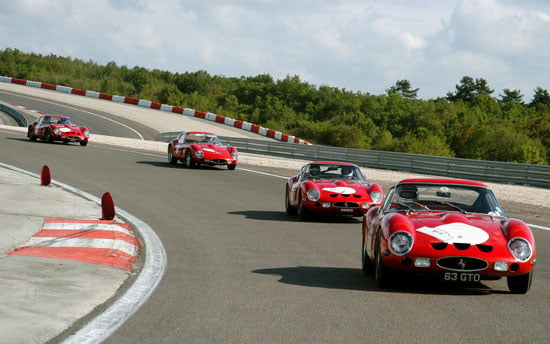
541,97
511,96
403,87
469,89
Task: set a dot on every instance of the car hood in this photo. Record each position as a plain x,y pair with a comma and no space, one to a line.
67,128
340,186
453,227
213,150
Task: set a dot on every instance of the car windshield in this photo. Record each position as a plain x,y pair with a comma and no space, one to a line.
64,121
438,197
334,171
202,138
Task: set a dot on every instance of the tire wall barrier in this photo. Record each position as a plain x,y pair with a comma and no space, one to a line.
21,121
482,170
254,128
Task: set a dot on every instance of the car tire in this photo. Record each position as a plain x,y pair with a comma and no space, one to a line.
30,134
48,136
382,274
171,159
366,263
520,284
303,212
231,167
84,143
189,162
290,210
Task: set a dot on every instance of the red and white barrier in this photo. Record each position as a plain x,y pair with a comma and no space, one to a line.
254,128
100,242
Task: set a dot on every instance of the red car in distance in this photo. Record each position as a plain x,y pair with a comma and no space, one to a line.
331,188
201,148
454,230
49,128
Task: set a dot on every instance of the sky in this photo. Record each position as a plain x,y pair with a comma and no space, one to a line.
358,45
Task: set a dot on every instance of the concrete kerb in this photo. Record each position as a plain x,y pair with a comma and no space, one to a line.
150,276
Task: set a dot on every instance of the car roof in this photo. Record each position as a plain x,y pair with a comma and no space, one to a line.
63,116
331,163
200,132
446,181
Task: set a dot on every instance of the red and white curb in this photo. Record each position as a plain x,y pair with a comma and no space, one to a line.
251,127
103,242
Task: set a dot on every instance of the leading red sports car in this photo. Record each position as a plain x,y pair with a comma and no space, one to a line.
49,128
201,148
454,229
335,188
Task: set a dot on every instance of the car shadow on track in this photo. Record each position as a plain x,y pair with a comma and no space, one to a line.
181,166
354,279
262,215
283,216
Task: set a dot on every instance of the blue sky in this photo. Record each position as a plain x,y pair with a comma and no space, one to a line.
359,45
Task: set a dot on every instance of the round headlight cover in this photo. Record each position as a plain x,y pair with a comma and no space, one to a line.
400,243
520,249
313,194
235,155
376,196
199,154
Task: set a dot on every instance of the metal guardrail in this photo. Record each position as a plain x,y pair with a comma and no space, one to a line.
482,170
21,121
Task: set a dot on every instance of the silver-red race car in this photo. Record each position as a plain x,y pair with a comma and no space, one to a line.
49,128
453,230
332,188
201,148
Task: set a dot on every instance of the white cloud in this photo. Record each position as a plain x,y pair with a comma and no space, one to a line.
358,45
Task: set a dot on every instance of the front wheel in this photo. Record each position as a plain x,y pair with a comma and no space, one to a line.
84,143
30,134
231,167
189,161
290,210
382,274
303,212
520,284
48,136
171,159
366,263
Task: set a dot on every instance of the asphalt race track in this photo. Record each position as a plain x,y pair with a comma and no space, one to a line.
241,271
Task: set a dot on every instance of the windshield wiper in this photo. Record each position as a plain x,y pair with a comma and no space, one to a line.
409,207
452,206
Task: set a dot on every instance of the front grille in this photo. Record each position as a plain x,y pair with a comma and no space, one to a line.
219,161
462,263
459,246
346,205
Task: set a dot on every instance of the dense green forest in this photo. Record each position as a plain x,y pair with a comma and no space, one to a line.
468,122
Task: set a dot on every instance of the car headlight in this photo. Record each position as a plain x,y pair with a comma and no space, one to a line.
199,154
86,133
313,194
376,196
520,249
56,131
400,243
235,155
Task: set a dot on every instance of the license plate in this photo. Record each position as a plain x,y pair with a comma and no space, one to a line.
461,277
346,210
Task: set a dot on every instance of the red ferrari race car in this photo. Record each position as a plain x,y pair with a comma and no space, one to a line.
332,188
49,128
201,148
454,230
